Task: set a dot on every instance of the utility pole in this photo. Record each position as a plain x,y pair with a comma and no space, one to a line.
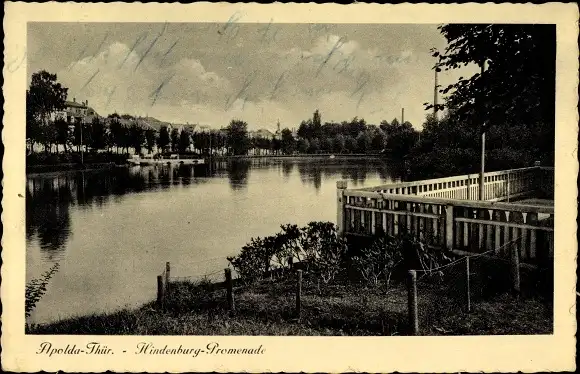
435,94
482,170
82,152
402,115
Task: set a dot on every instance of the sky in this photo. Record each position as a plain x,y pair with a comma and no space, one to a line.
211,73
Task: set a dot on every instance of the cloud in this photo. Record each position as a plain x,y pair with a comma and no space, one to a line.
120,79
342,73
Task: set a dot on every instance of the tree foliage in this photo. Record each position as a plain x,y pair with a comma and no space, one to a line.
184,140
237,137
513,100
288,142
174,137
163,140
518,83
44,97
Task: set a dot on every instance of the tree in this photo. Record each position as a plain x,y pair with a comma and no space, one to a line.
517,87
379,140
117,132
363,141
288,142
513,101
522,55
355,126
276,145
338,143
314,146
263,144
96,134
305,130
237,137
316,118
150,139
63,133
316,129
174,139
184,140
44,97
350,144
303,145
327,144
163,140
136,137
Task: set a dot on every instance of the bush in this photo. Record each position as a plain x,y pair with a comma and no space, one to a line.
387,255
316,245
36,288
379,260
325,250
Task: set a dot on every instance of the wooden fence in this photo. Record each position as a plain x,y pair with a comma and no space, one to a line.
498,186
465,226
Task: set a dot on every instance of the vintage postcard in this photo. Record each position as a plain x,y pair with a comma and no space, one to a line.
289,187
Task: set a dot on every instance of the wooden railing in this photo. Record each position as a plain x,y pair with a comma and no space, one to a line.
455,224
498,185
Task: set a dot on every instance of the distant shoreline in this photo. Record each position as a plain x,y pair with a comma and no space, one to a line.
51,168
303,156
32,170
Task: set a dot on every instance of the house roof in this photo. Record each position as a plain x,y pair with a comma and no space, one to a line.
74,104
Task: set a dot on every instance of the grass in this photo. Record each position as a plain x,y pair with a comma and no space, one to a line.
268,308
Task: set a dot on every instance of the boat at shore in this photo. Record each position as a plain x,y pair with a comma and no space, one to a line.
173,160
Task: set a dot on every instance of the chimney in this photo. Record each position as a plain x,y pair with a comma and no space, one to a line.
74,99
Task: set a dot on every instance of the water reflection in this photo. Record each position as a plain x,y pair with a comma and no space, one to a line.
287,168
238,171
113,231
47,215
50,197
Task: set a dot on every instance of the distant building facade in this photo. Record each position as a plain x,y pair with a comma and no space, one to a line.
76,112
261,133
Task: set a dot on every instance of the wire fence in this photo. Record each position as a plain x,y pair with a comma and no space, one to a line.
427,296
460,286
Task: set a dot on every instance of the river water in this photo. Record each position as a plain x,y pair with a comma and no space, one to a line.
111,232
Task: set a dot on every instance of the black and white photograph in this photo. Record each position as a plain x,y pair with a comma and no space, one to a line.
251,179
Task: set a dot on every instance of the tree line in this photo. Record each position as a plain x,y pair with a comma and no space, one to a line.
512,100
122,133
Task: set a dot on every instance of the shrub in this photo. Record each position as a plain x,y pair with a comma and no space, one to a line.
386,255
249,264
325,250
36,288
317,245
378,260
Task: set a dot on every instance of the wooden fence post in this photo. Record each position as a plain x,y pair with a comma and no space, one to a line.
515,268
412,302
230,290
299,294
449,227
160,292
468,284
167,276
340,187
469,187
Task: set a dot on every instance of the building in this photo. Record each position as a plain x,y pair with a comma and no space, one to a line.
76,112
261,133
202,128
187,127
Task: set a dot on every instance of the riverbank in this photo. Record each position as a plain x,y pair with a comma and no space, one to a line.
33,167
320,156
32,170
268,308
